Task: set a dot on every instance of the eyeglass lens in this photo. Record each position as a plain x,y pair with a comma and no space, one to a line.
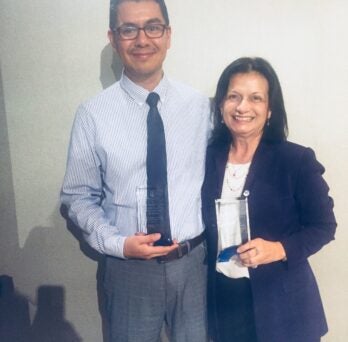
132,32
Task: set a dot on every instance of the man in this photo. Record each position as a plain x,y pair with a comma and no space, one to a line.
146,284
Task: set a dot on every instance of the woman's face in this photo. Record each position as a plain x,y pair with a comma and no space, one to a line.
245,108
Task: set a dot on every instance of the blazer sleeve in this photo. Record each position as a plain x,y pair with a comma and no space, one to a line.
315,209
209,190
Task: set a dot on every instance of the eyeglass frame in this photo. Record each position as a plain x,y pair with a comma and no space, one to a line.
117,30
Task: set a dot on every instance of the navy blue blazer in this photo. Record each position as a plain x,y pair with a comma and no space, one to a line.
288,202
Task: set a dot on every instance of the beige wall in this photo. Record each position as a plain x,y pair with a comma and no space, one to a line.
54,54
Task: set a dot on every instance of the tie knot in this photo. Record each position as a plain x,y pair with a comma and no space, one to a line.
152,99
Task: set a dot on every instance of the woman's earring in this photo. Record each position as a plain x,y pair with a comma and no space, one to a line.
269,118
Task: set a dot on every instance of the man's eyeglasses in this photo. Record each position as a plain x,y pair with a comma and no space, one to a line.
128,32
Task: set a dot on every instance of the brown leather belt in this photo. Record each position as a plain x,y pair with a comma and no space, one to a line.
184,248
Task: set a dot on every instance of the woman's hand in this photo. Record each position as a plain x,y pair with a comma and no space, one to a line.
259,251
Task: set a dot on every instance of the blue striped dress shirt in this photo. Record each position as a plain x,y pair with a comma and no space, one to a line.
107,161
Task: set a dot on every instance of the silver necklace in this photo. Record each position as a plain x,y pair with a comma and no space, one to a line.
236,176
237,171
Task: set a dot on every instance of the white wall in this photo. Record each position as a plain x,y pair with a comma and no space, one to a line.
54,54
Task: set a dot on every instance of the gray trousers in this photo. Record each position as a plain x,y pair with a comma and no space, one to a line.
142,296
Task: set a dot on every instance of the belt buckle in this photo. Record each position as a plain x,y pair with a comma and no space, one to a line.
181,249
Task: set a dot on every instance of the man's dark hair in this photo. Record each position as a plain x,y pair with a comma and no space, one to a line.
114,7
277,130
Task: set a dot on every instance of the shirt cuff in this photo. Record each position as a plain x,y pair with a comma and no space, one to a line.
114,246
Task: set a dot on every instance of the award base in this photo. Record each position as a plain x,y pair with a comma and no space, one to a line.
163,241
227,254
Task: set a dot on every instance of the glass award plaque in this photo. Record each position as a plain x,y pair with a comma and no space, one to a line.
153,213
233,225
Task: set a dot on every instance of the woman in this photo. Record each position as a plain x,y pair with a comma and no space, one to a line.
267,293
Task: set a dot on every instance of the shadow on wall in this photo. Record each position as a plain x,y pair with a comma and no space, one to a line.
9,244
41,257
110,67
14,308
49,324
94,255
53,252
48,253
14,313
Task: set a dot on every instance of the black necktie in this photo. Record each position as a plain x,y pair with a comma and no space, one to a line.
156,166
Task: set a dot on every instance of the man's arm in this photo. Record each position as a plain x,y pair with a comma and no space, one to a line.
82,194
82,190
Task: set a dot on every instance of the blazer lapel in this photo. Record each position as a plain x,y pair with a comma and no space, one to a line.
260,164
221,161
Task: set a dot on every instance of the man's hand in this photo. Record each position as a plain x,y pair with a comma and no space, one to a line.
141,247
259,251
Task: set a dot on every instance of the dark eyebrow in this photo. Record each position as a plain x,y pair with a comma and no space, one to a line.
258,93
150,21
154,21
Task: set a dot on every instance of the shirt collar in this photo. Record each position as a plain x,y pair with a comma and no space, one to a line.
139,94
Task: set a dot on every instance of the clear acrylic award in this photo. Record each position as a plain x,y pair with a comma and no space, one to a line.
153,213
233,225
141,194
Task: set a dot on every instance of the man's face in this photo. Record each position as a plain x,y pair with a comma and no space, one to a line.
142,57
